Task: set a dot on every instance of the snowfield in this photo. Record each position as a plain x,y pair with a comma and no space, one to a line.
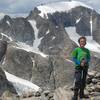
63,6
74,36
22,86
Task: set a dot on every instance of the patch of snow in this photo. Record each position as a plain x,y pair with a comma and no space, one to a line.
53,37
57,26
69,60
77,21
50,47
4,35
29,48
48,32
37,40
91,24
91,44
60,7
22,86
8,22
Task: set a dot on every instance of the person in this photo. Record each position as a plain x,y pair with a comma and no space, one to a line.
81,58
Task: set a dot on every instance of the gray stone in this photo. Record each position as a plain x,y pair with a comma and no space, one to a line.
50,95
94,81
95,93
97,88
98,83
46,93
5,85
97,75
92,73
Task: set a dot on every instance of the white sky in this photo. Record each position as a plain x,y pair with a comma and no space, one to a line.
24,6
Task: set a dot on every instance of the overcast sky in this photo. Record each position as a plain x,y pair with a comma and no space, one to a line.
24,6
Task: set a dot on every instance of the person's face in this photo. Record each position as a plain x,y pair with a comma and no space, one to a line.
82,43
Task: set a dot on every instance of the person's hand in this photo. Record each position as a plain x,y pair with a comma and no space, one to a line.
83,63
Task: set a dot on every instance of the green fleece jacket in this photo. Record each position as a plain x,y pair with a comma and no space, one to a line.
78,54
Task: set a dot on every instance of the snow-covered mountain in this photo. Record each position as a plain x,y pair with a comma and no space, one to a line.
39,43
62,6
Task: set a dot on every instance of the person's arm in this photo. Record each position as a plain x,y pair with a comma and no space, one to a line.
74,57
76,61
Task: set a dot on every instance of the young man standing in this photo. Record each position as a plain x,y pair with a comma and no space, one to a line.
81,58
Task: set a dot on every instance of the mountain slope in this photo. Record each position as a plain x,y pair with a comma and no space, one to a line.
39,46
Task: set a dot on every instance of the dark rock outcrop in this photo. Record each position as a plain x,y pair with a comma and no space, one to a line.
5,85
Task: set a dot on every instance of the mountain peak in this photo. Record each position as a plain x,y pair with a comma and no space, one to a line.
61,6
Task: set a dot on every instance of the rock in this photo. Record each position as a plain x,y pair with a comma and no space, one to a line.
95,98
97,75
5,84
98,83
92,74
86,92
7,95
89,80
95,93
27,95
17,61
43,97
61,94
97,88
3,48
66,87
90,89
37,94
94,81
50,95
46,93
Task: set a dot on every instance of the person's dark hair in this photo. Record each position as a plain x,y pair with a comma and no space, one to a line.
83,37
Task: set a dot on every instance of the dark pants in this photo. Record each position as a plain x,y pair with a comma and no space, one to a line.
80,81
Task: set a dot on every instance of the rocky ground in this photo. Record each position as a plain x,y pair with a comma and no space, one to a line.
65,93
61,93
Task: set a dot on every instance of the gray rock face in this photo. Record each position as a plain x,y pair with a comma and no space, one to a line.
17,29
18,62
78,17
5,84
51,73
3,48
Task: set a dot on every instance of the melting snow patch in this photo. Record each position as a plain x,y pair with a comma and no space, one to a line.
8,22
37,40
77,21
29,48
47,32
53,37
91,44
22,86
8,37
